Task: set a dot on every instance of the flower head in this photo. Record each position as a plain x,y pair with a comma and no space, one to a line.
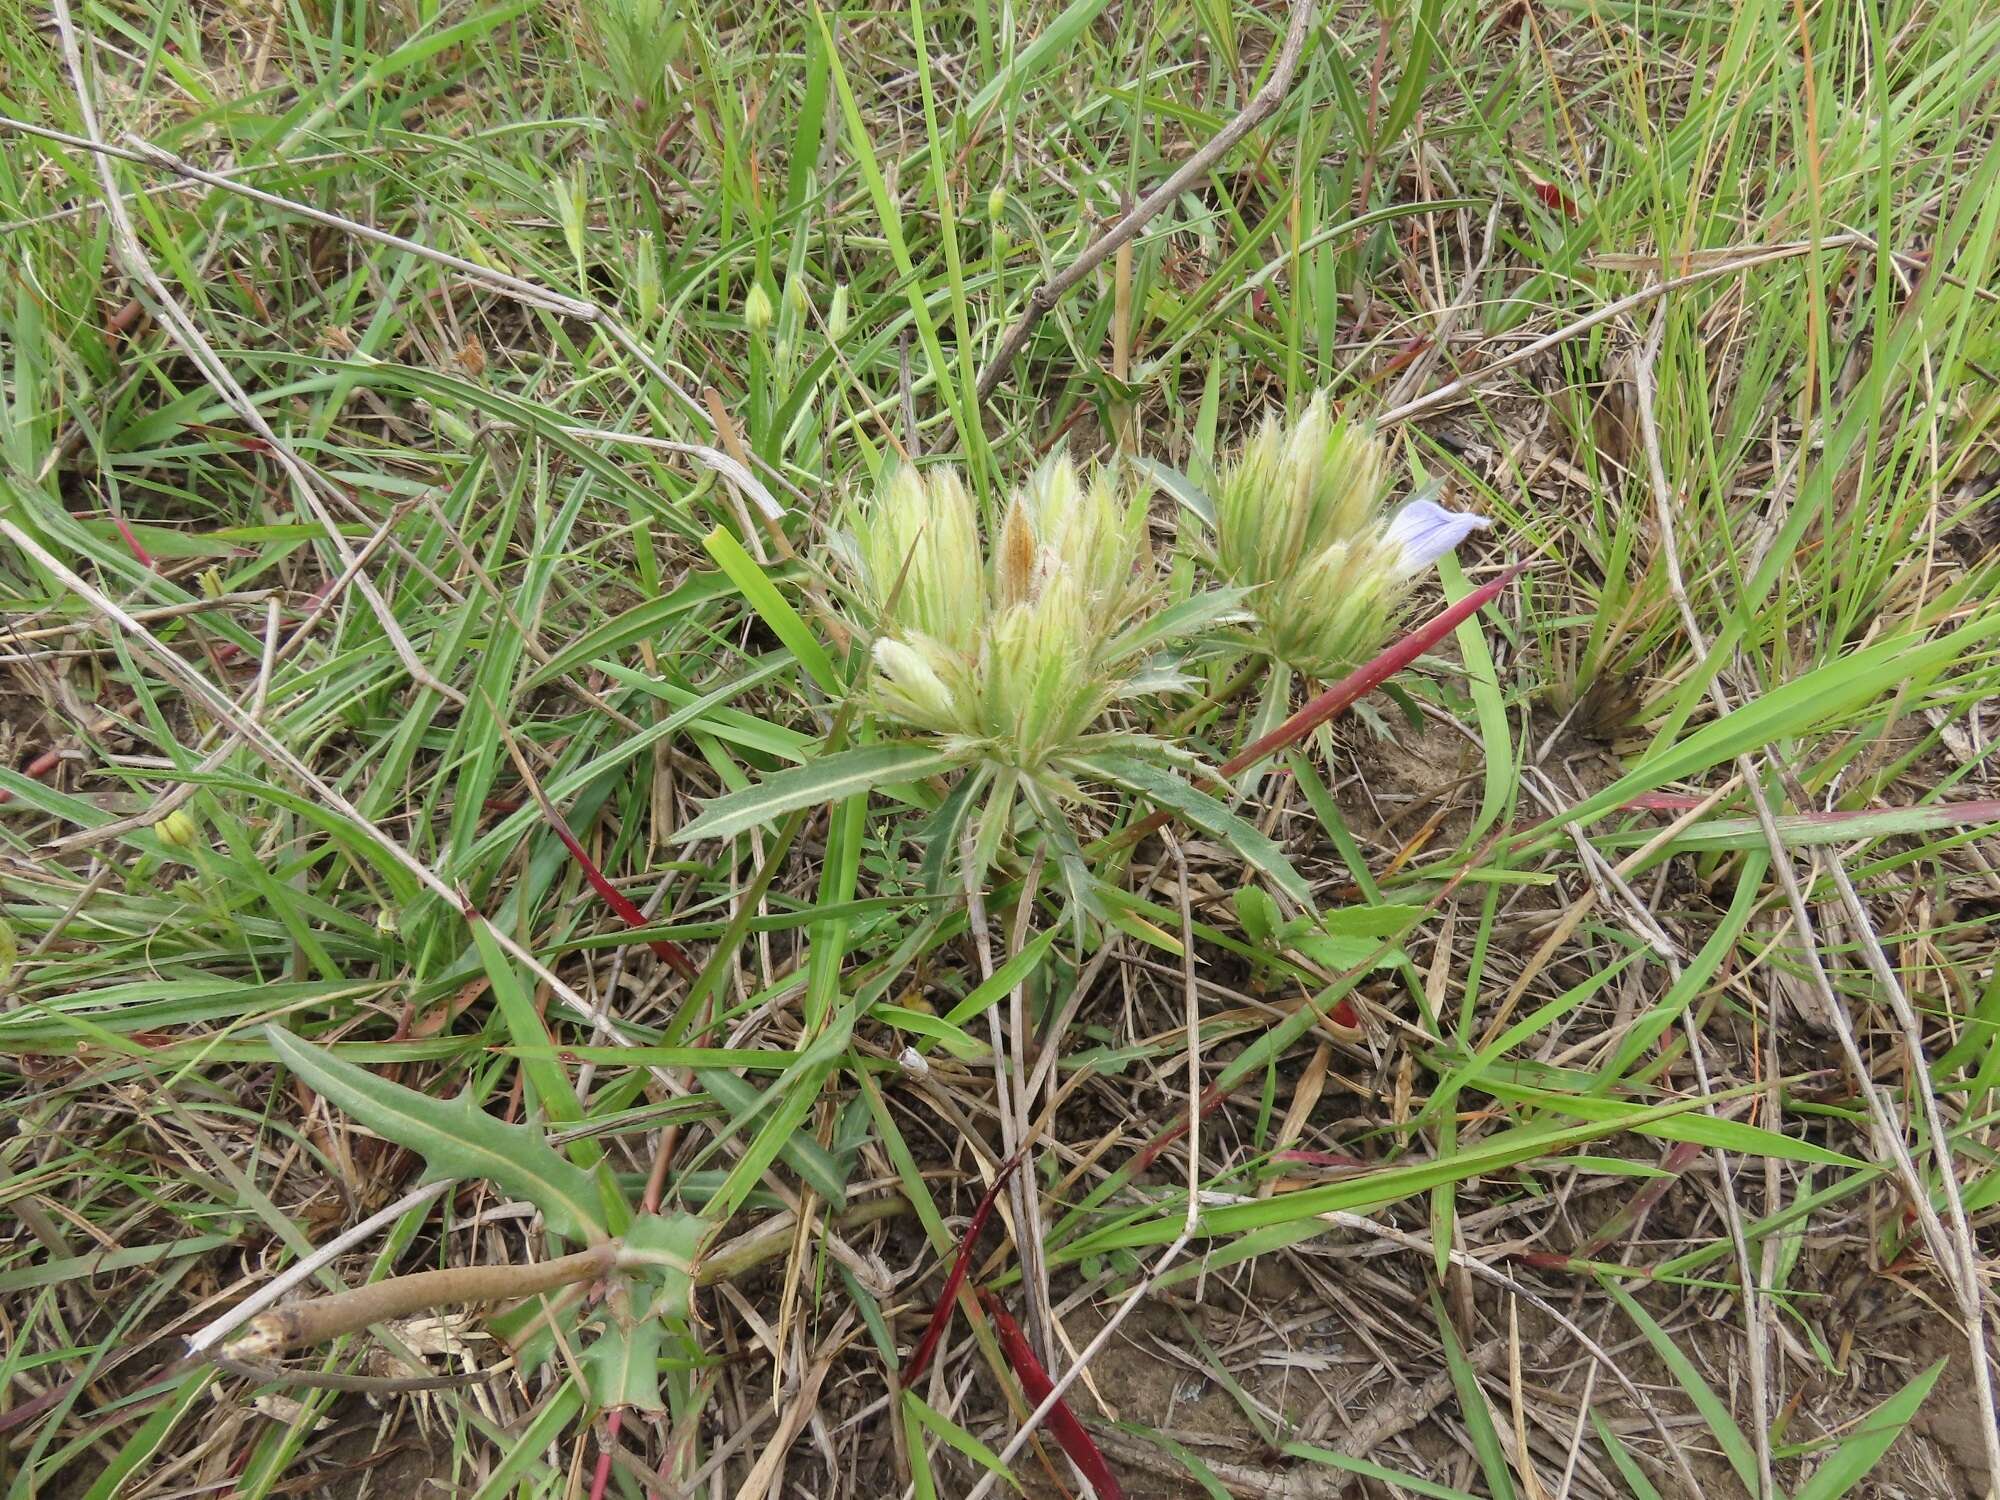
1013,657
1299,521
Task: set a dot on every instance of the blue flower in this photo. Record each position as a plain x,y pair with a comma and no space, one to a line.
1423,531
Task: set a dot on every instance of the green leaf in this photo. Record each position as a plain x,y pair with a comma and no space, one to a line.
1191,496
1735,1446
825,780
1702,1130
146,1441
1822,696
1193,616
524,1454
1014,971
1203,811
1628,1466
643,622
1863,1449
762,596
954,1437
622,1365
659,1253
1257,915
1472,1407
549,1084
1361,1466
457,1139
817,1167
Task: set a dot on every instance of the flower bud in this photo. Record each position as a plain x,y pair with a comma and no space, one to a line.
911,688
176,829
996,202
758,314
1299,522
646,278
836,317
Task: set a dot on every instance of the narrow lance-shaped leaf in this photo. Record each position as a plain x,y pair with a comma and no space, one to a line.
455,1139
1869,1440
1206,813
1735,1446
826,780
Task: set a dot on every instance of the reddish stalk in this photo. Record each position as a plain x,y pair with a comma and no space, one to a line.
601,1480
132,541
671,953
35,770
955,1278
1036,1385
1344,693
1211,1100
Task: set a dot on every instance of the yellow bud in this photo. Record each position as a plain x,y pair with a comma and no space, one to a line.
758,313
177,829
996,202
836,318
385,922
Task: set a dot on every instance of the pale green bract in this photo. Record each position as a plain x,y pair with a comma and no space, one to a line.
1300,523
1012,660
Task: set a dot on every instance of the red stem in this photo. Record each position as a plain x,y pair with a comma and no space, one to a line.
600,1480
1211,1099
617,900
955,1278
1344,693
1036,1385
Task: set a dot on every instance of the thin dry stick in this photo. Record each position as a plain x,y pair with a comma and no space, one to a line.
313,486
1025,1186
160,189
1906,1017
519,288
1013,1121
1449,319
1058,286
1444,395
1192,1020
1954,1254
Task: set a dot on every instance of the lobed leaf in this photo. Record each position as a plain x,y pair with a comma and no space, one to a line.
455,1139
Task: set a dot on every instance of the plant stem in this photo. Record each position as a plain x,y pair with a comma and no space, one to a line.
316,1320
298,1324
1226,694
